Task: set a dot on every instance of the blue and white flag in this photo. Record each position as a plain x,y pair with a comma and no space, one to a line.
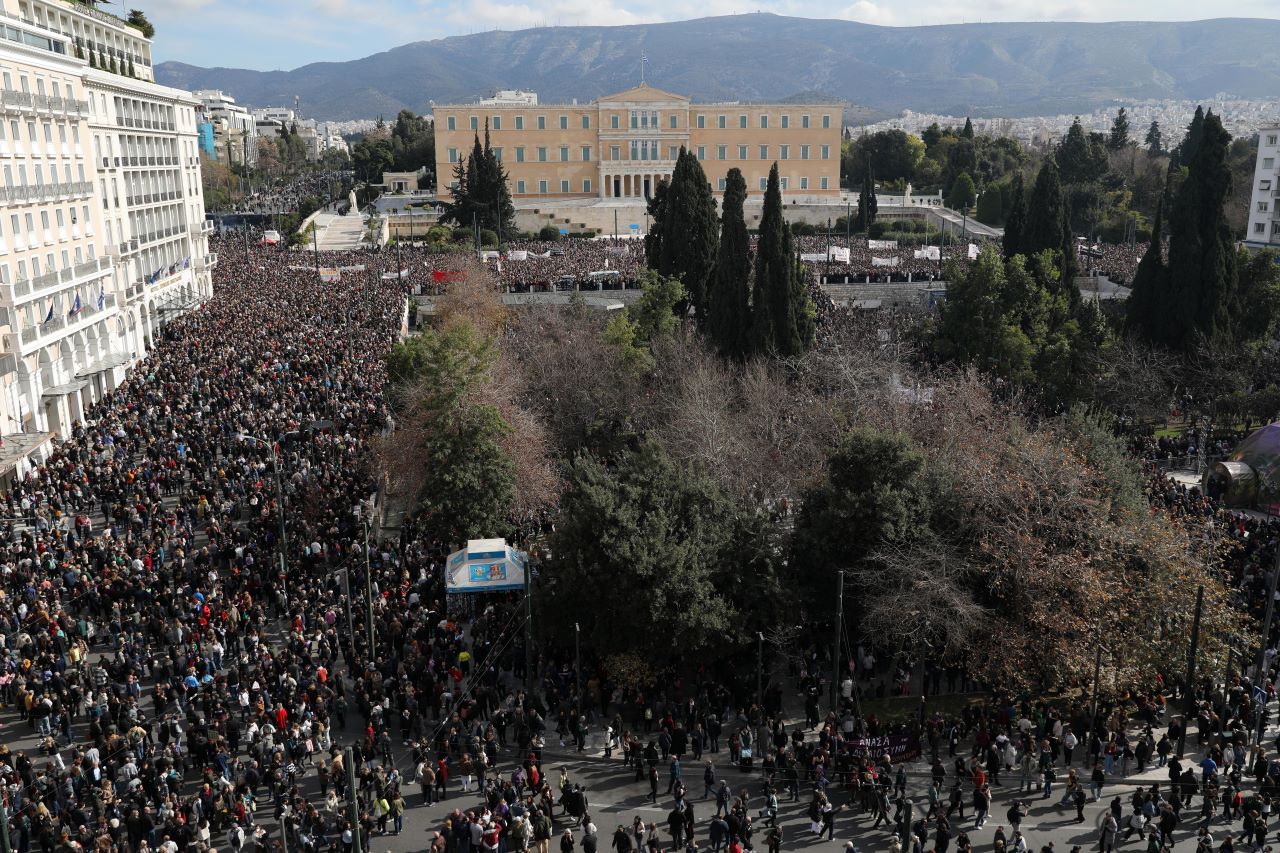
49,317
102,298
76,307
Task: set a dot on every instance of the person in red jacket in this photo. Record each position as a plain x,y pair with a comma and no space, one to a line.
442,777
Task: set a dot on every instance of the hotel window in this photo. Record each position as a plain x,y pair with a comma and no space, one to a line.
497,123
702,122
804,122
613,122
742,152
720,185
475,123
764,122
453,155
564,153
783,151
564,122
674,121
826,152
519,153
722,152
452,123
804,183
542,187
826,122
586,122
702,152
586,153
786,122
586,185
742,121
519,122
542,122
564,186
764,152
614,152
722,122
520,187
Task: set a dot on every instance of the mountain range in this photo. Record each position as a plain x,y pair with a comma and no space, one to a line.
996,69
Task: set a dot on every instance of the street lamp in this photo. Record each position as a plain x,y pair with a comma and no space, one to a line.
760,670
275,465
577,659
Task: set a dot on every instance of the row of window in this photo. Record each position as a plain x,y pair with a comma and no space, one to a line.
33,234
14,134
645,120
522,187
645,149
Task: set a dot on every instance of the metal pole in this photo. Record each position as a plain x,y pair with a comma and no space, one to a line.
368,583
352,805
351,624
615,226
528,628
760,670
315,245
905,833
284,575
1097,671
1266,622
836,651
1190,700
284,829
577,659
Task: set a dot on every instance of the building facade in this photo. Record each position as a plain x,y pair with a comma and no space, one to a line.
94,193
234,129
623,145
1264,204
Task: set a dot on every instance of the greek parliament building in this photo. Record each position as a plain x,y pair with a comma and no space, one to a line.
102,231
623,145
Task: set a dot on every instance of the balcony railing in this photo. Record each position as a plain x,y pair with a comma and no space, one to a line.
32,193
12,101
88,313
30,288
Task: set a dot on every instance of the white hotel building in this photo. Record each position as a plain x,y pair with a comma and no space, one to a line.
102,230
1264,205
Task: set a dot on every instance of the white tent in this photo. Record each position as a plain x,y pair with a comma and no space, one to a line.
485,565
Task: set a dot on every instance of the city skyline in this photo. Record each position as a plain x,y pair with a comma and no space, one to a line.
281,34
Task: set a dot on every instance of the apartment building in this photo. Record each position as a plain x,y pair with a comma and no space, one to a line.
234,129
1264,204
100,195
621,146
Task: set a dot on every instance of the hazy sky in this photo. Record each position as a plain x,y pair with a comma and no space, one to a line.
283,34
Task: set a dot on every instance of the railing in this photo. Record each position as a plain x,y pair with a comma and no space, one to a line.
15,101
33,287
45,192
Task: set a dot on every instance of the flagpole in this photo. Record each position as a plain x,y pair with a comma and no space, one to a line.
642,68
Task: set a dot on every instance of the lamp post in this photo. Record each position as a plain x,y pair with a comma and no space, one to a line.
760,670
275,465
577,660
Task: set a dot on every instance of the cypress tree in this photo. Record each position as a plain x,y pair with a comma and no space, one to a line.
690,230
1119,131
1043,228
656,205
1149,309
1154,140
867,204
967,133
729,296
1185,150
1202,257
1016,221
782,320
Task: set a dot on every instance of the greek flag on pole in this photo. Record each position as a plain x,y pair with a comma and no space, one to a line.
102,298
644,57
75,307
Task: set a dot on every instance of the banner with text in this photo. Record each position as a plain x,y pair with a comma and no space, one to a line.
899,748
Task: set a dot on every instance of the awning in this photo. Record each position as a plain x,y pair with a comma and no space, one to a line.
110,362
18,446
65,388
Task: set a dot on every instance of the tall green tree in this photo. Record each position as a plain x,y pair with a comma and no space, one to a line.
1184,151
1080,159
967,133
1045,213
655,207
659,536
1202,255
781,311
689,230
729,299
963,192
1119,139
1016,221
481,195
1154,139
1150,311
868,206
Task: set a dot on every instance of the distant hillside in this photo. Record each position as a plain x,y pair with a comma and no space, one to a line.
986,69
